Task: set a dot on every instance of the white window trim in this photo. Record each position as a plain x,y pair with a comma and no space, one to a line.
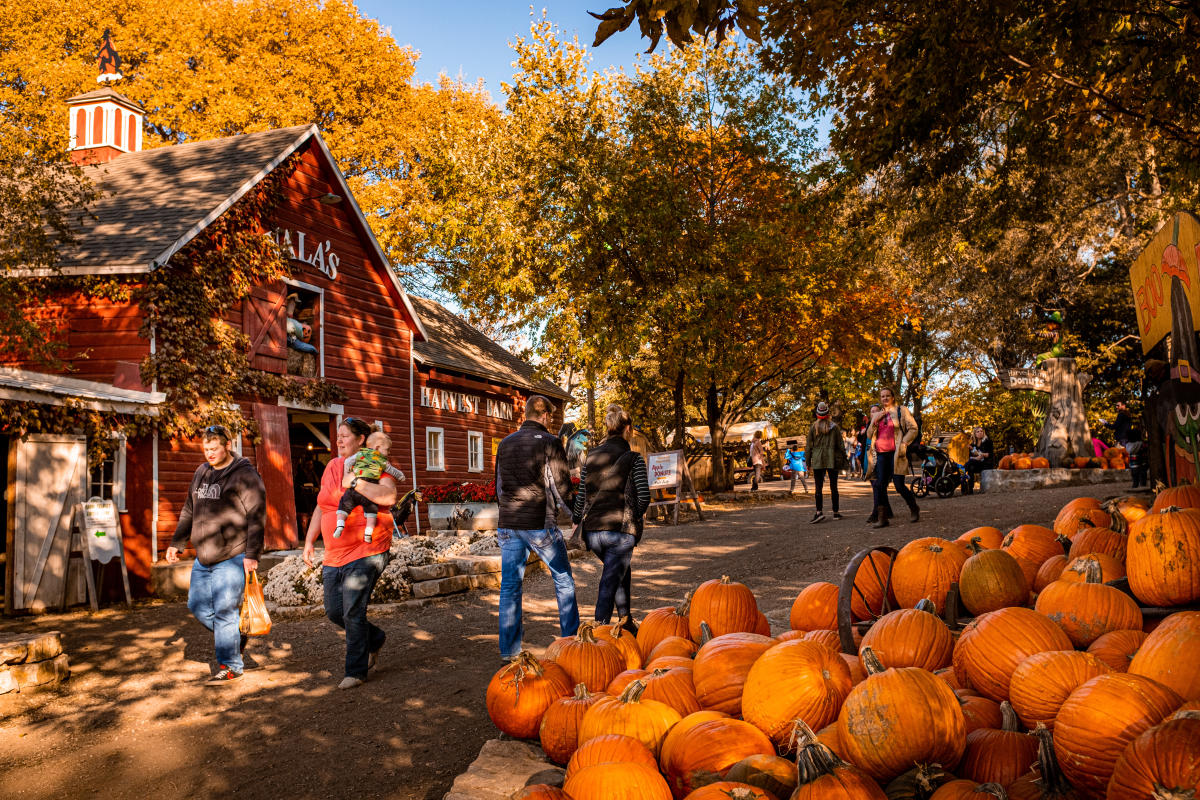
441,450
118,480
308,287
473,437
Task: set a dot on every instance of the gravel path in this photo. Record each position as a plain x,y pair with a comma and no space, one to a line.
134,722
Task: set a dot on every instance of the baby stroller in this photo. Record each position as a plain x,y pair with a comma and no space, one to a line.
939,472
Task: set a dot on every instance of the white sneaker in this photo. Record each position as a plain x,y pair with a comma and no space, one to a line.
350,683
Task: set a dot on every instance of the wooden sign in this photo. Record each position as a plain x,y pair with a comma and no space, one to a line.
98,529
1166,281
1034,379
669,479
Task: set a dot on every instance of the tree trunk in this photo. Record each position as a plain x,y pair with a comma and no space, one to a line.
677,400
722,481
591,400
1066,426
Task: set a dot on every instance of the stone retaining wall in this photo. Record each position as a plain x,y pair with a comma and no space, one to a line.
503,767
32,662
1023,480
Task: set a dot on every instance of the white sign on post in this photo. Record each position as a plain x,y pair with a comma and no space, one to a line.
663,469
99,531
668,472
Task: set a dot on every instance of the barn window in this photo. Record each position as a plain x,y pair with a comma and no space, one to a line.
106,479
435,453
474,451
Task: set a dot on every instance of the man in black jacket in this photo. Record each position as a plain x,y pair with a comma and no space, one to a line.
531,480
224,518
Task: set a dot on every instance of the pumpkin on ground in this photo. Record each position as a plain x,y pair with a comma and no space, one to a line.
900,717
1077,569
1046,781
1050,571
870,591
706,752
1171,654
726,605
586,659
830,639
1081,512
1087,611
617,782
661,623
1042,683
541,791
1031,545
681,728
1184,496
979,711
629,715
624,641
1100,718
815,608
1164,558
521,691
728,790
771,773
668,662
911,637
991,580
998,755
611,748
673,646
559,731
924,569
1099,540
794,680
673,687
963,789
1117,647
720,668
992,646
919,783
822,775
985,537
1130,508
1162,763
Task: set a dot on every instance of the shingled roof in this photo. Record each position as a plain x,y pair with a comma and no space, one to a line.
455,344
153,198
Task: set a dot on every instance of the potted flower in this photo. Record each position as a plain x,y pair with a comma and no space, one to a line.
462,506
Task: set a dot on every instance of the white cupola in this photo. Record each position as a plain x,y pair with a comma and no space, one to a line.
104,123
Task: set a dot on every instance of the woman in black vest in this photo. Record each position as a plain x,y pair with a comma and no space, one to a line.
613,496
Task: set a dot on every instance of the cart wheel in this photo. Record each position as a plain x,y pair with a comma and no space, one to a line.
918,486
946,485
847,592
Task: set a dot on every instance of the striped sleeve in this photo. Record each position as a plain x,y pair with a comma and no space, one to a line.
641,483
580,494
396,474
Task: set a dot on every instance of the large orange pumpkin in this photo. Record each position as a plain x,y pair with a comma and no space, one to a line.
998,755
1087,611
1050,571
663,622
727,606
617,782
1171,654
991,580
1116,648
1099,540
1162,763
559,731
1047,781
831,639
822,775
729,790
673,646
924,570
1024,462
629,715
985,538
794,680
964,789
541,791
993,645
1031,545
673,687
521,691
611,748
1005,462
586,659
1185,496
979,711
706,752
1100,718
918,783
870,589
668,662
1085,511
911,637
900,717
1042,683
815,608
771,773
625,641
1164,558
720,668
1076,570
680,729
1130,508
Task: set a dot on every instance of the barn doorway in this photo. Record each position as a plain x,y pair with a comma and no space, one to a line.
311,449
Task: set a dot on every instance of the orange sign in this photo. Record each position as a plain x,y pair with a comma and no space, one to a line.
1170,260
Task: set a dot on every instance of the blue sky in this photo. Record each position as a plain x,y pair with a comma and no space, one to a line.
471,36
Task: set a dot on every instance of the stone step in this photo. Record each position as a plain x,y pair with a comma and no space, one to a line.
502,768
36,674
32,647
441,586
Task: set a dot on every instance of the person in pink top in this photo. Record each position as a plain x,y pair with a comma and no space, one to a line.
893,428
352,565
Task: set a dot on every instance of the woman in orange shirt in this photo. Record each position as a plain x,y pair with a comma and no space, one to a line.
352,566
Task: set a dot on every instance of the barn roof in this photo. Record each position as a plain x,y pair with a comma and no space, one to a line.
455,344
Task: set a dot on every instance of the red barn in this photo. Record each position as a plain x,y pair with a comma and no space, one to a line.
353,324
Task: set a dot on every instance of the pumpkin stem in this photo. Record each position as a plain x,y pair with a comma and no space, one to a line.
1009,715
581,691
1091,570
925,604
871,661
1052,782
659,671
633,692
684,608
935,548
1170,509
813,759
585,632
919,782
724,579
994,789
618,628
706,633
976,544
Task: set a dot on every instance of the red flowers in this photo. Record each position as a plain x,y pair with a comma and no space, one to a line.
461,492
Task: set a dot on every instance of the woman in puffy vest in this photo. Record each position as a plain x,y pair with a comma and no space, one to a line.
613,496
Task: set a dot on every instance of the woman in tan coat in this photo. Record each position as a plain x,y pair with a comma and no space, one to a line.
893,428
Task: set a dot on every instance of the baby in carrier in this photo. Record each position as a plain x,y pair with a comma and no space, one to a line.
368,464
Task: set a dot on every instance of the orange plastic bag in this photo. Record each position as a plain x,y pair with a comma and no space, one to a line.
255,620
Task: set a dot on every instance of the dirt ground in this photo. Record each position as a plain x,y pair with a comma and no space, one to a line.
134,720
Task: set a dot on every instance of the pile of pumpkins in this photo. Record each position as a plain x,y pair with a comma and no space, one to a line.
1058,688
1113,458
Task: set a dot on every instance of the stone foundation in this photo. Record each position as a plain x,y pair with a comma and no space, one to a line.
503,767
1023,480
32,662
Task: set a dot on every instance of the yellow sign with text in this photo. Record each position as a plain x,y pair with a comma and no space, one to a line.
1169,265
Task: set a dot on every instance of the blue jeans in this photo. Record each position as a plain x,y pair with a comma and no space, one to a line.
514,550
615,549
215,599
347,592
